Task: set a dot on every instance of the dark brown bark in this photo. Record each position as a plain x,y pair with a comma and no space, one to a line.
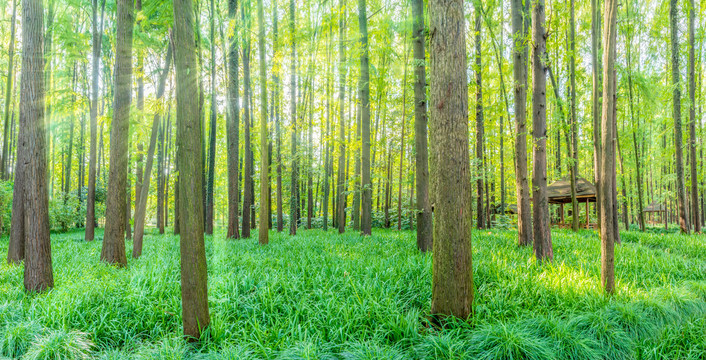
607,186
194,292
141,205
263,233
367,196
31,223
520,26
452,279
480,131
233,133
212,131
247,124
423,213
113,251
542,233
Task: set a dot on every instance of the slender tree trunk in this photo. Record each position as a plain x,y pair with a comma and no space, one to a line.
367,196
636,125
542,232
596,98
424,219
327,133
113,250
233,133
294,204
4,172
247,168
194,293
480,131
607,162
520,26
160,176
574,122
341,201
452,279
212,131
676,102
692,123
264,157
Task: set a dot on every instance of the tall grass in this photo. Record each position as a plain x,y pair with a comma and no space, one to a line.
327,296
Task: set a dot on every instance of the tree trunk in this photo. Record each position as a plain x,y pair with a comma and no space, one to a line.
264,157
367,196
233,133
327,133
596,97
141,205
341,201
542,233
520,26
160,176
293,204
607,157
452,279
4,164
212,131
278,133
480,131
247,168
574,122
692,123
113,250
423,213
194,293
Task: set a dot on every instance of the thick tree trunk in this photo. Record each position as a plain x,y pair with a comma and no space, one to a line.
194,293
520,26
542,233
141,205
480,131
31,222
263,233
452,279
113,250
607,186
233,133
423,213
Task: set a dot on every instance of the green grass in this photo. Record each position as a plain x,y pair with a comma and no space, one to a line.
328,296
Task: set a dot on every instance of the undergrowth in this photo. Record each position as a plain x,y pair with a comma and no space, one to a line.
328,296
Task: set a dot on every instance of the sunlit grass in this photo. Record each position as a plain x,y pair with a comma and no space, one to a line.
322,295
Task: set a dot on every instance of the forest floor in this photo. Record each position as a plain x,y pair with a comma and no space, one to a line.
325,296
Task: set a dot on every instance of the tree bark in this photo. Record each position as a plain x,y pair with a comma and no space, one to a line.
141,205
233,133
480,131
278,133
607,186
293,204
113,250
194,292
263,234
692,123
452,279
247,166
4,171
542,233
574,122
212,131
520,26
596,97
367,195
423,213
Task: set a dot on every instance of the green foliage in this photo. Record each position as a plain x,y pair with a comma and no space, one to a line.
327,296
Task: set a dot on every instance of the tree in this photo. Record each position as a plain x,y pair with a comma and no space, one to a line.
278,133
30,225
480,135
696,219
607,185
367,201
141,201
452,279
113,250
4,162
573,165
92,157
341,179
247,125
194,293
676,113
293,215
212,131
596,96
542,232
264,159
520,26
233,133
424,219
